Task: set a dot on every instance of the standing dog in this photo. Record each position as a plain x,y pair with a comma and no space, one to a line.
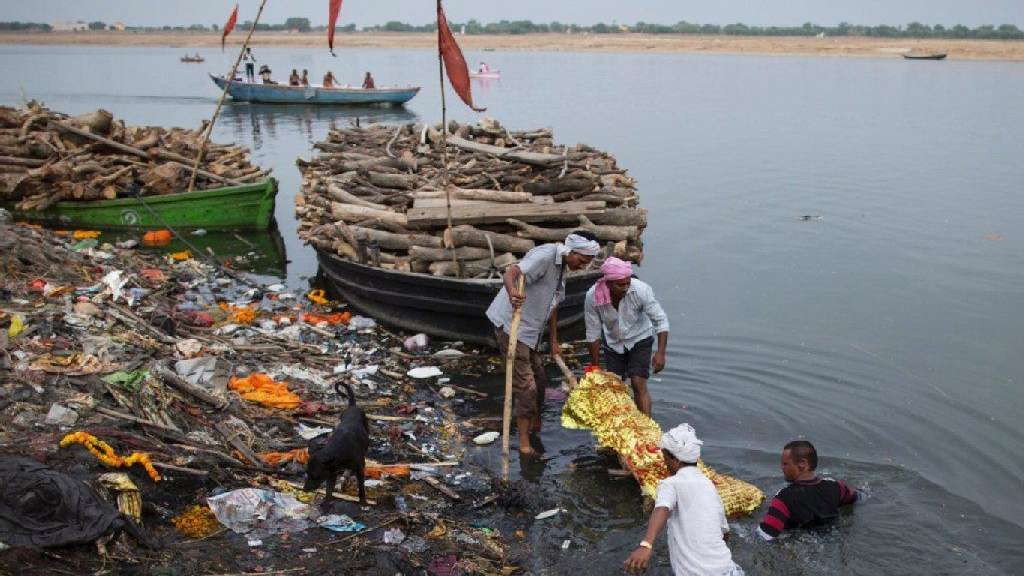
344,450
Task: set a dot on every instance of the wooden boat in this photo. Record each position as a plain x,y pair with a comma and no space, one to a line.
284,94
492,75
449,308
192,59
941,56
245,207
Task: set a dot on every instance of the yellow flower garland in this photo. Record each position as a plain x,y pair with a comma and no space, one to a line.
106,454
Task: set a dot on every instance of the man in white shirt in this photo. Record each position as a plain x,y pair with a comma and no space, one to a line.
622,317
689,505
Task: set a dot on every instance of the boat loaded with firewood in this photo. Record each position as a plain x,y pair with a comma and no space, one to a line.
388,243
94,171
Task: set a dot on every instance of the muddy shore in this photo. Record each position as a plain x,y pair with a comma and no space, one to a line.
841,47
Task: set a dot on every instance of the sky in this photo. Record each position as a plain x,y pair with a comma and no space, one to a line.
586,12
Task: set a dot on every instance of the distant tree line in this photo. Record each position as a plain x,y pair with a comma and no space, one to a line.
912,30
24,27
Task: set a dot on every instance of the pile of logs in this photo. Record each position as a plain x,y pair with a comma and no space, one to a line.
46,157
375,195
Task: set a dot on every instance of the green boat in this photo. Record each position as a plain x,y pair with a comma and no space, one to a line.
245,207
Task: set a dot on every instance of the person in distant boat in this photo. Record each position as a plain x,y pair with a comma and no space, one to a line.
329,79
688,503
808,500
265,74
293,79
305,77
368,83
543,270
622,318
250,65
484,69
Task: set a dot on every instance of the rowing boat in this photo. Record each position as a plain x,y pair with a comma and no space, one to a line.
284,94
941,56
244,207
449,308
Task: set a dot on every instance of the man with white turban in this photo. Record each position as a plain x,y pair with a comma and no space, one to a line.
688,503
543,269
622,318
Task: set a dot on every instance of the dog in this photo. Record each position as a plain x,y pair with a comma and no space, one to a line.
345,450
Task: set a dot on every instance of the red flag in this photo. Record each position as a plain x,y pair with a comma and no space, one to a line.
454,61
232,20
333,12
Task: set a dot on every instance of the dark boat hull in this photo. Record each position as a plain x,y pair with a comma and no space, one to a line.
926,57
448,308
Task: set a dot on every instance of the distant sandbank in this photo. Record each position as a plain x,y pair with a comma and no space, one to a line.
830,46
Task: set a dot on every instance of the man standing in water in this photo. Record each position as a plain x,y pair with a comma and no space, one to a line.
809,500
622,318
689,504
543,269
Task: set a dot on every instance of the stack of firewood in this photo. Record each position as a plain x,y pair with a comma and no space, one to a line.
46,157
376,195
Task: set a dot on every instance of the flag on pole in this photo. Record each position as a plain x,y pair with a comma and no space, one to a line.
332,19
454,61
229,26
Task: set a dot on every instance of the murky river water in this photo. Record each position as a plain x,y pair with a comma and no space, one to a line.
888,331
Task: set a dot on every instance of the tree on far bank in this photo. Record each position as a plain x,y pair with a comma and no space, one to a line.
97,25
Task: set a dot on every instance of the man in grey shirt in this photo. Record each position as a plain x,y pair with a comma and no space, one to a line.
543,269
622,318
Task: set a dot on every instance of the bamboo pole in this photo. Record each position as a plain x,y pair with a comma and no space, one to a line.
510,361
444,138
220,103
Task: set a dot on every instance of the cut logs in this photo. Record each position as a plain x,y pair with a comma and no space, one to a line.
94,156
376,195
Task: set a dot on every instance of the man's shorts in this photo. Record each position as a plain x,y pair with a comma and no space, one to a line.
529,380
635,362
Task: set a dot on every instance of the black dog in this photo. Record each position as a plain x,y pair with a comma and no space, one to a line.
344,450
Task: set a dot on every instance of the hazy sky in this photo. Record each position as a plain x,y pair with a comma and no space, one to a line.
364,12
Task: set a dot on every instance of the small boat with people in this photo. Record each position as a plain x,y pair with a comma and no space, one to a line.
188,59
485,72
933,56
244,91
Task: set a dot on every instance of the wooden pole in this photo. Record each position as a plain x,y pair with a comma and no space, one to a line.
444,138
220,103
510,361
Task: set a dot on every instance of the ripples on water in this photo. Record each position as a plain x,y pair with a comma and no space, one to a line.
887,331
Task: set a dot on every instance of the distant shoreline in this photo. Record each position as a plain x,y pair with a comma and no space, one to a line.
851,46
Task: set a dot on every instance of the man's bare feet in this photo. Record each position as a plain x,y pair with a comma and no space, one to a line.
527,450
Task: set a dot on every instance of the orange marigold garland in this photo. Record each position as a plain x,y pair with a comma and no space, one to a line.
106,454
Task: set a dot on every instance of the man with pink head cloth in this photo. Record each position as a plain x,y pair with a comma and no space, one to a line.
622,318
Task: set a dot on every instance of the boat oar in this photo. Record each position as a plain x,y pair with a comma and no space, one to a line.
510,361
570,378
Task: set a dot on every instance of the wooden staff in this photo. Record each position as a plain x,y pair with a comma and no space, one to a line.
444,153
220,103
510,361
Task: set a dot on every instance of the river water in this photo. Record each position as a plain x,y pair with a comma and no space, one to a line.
886,328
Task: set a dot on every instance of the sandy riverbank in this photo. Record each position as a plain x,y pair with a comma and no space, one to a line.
850,46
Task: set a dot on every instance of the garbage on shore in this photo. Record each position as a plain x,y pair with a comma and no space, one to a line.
209,406
374,195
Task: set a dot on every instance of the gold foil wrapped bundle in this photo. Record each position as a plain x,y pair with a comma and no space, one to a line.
602,404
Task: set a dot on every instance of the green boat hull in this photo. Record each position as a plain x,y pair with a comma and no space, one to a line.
245,207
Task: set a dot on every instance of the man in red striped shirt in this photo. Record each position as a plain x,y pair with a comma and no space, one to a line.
809,500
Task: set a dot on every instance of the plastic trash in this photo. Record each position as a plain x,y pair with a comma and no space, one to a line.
308,432
447,392
361,323
394,536
198,370
188,347
199,232
448,353
115,281
548,514
340,523
417,343
257,513
130,381
60,415
486,438
424,372
17,326
401,504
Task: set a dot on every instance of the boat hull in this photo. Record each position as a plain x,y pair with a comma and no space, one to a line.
283,94
245,207
448,308
486,75
928,57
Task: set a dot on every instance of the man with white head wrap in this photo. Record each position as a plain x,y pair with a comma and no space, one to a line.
688,503
543,269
